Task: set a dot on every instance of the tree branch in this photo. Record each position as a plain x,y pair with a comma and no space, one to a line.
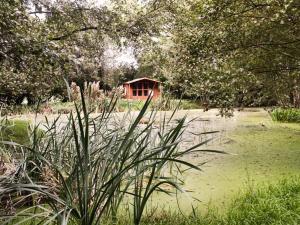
278,69
40,12
73,32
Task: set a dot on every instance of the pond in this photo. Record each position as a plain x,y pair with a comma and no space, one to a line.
260,151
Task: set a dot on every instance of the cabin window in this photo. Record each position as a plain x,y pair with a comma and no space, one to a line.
151,85
142,88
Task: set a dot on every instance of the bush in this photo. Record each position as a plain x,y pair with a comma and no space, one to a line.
286,115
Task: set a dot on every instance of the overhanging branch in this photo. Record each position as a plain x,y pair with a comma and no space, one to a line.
73,32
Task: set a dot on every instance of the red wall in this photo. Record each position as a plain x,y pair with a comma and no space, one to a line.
129,90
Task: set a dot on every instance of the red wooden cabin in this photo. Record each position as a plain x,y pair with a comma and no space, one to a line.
141,88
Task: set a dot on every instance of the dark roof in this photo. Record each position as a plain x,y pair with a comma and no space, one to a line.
139,79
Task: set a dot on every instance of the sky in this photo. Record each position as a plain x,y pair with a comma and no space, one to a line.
115,57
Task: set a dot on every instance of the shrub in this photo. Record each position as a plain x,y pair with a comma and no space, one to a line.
286,115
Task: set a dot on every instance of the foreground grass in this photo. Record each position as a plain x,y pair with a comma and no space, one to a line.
274,204
81,173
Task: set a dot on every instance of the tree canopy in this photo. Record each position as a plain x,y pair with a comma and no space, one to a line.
226,53
235,52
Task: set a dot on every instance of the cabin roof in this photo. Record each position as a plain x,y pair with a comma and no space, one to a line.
139,79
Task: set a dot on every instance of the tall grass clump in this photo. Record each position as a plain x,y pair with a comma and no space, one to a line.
286,115
85,169
272,205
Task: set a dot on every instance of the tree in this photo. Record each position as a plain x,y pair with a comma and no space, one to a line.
43,41
29,65
234,52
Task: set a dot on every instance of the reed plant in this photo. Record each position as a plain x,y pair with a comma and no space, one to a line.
84,170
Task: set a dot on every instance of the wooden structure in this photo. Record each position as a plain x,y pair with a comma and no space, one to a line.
141,88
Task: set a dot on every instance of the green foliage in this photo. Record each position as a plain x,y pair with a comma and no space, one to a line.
276,204
15,130
232,53
29,65
225,53
286,115
13,134
125,105
12,131
42,42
